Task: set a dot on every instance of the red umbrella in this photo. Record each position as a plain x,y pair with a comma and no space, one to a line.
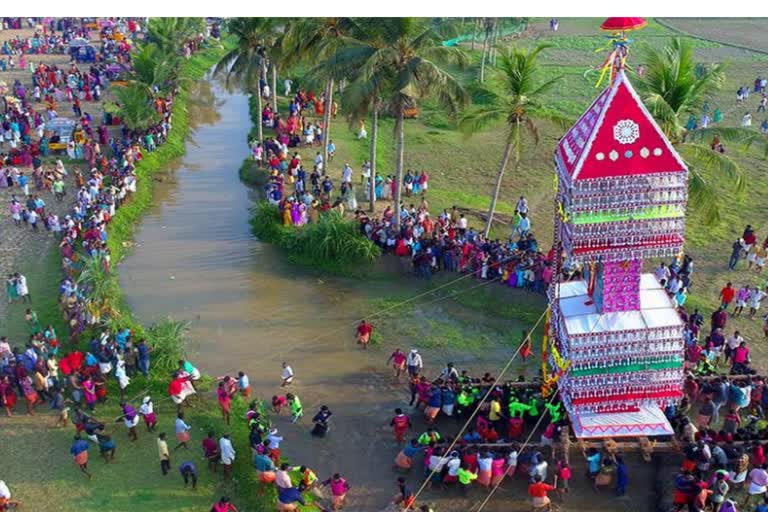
622,24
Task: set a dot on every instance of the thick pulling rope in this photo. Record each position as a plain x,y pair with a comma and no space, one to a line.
477,409
526,443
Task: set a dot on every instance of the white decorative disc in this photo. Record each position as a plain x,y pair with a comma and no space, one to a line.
657,152
613,155
644,152
626,131
600,156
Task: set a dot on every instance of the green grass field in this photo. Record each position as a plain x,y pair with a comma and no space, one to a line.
462,169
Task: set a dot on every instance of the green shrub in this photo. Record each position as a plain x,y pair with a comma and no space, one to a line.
332,243
167,341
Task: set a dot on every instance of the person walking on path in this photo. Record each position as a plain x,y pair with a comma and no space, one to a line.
364,331
21,288
165,455
227,455
397,358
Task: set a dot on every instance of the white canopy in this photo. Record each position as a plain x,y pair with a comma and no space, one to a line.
656,310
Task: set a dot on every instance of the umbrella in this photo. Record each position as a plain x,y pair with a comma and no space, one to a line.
623,24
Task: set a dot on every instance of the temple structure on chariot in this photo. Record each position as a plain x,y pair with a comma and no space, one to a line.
621,198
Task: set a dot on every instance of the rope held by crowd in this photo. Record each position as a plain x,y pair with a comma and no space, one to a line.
477,409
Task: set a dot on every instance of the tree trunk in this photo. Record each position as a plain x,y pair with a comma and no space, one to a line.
274,88
374,141
259,108
327,122
262,75
495,42
399,150
474,33
491,49
483,58
497,186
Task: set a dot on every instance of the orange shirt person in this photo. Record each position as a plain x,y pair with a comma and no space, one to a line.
538,492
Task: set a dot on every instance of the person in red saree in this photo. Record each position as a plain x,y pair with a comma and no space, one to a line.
180,387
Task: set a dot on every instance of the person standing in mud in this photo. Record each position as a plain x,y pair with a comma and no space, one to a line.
397,358
364,331
339,488
286,375
414,362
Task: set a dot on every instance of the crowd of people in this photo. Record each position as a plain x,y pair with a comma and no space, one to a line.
723,428
497,443
73,383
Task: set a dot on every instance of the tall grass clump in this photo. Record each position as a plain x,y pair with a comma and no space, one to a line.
334,239
334,243
266,223
168,341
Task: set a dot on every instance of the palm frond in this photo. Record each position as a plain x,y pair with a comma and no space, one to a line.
703,197
703,157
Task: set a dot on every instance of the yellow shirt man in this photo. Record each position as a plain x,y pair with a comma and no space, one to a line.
495,414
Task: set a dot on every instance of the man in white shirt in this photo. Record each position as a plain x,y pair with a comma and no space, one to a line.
282,477
287,374
288,83
346,174
525,224
227,455
522,205
365,172
462,224
733,342
662,272
414,362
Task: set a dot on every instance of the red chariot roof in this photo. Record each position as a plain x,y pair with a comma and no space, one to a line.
617,136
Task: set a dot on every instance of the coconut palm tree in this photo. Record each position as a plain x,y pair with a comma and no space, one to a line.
407,65
246,64
672,92
318,40
135,106
152,68
280,59
169,34
515,96
363,95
